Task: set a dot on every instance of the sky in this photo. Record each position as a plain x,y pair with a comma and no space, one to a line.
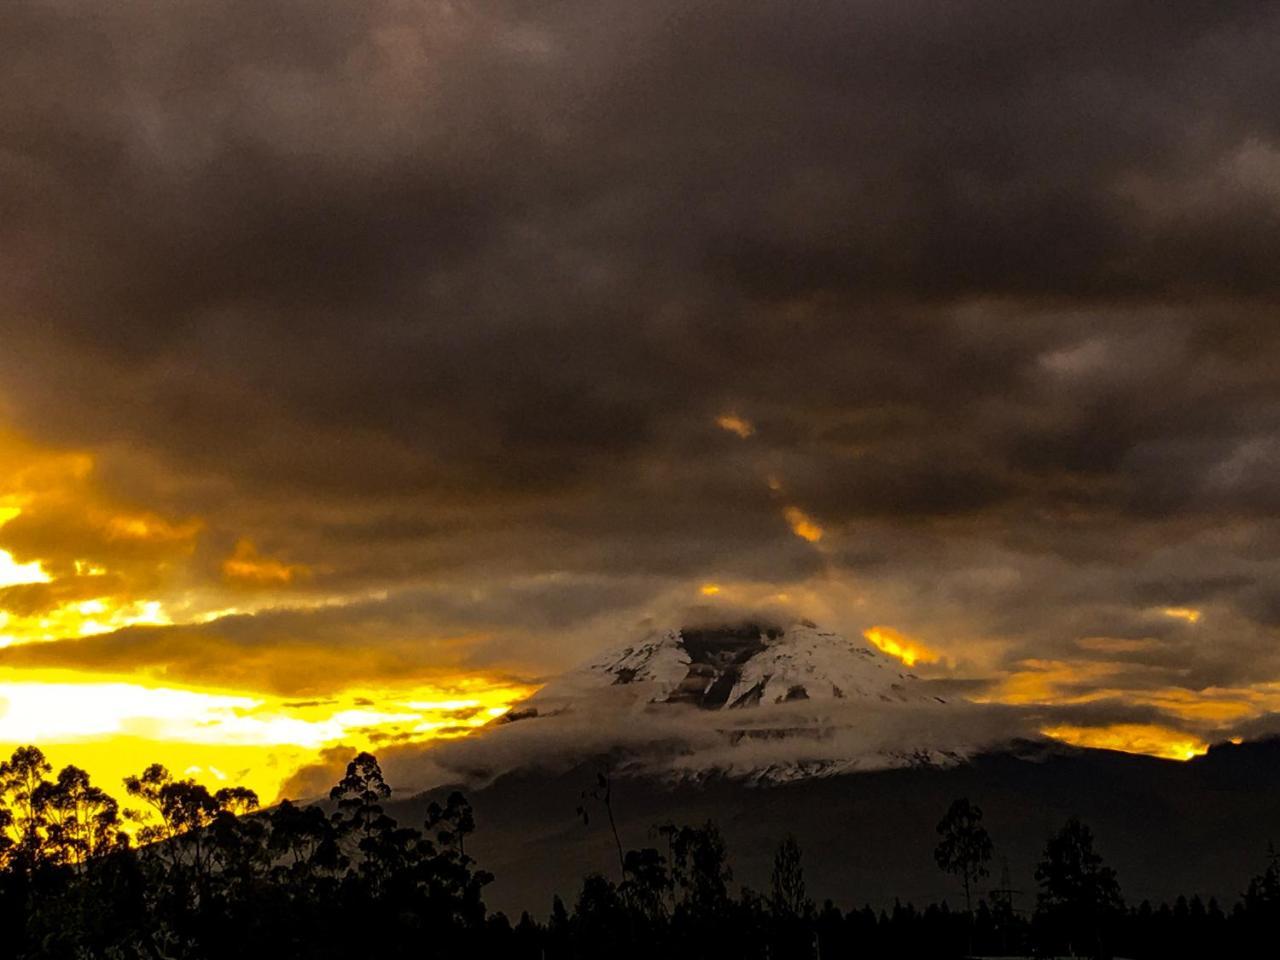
363,364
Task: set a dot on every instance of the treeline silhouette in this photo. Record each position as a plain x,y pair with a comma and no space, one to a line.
210,875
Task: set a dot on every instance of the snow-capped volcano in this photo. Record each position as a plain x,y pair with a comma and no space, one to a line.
760,702
738,667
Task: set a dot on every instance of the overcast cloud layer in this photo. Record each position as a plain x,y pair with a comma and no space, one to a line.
437,305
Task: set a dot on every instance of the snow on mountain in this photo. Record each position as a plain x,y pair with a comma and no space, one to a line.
731,668
761,703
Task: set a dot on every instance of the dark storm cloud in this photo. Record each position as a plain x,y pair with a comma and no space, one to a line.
422,290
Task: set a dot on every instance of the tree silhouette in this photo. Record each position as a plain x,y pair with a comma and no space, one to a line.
699,868
179,812
359,795
80,820
964,850
381,850
787,896
1079,894
648,884
6,841
1261,903
303,843
789,906
21,778
601,923
452,822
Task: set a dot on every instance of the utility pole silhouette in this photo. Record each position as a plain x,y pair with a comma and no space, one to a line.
1002,904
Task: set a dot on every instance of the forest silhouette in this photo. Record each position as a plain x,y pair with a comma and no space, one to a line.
182,872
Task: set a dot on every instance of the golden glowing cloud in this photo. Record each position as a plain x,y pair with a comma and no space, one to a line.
74,562
30,611
114,727
1151,739
1058,683
735,424
1051,681
1213,705
28,468
76,566
709,589
150,528
802,525
1188,614
13,573
899,645
84,619
247,567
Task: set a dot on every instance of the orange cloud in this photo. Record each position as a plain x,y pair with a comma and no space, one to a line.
735,424
803,525
13,573
1052,681
899,645
1151,739
28,468
247,567
151,528
74,562
54,513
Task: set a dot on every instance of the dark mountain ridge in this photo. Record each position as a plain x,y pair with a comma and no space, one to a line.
1167,827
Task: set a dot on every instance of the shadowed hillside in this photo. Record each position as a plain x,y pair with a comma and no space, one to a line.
1168,827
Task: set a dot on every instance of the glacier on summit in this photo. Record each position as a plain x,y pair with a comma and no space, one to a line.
761,703
737,667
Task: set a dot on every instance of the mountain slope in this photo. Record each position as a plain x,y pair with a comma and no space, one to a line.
774,731
748,701
736,667
1168,827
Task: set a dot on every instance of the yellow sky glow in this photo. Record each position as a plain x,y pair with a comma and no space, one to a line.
104,565
253,740
1151,739
14,574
